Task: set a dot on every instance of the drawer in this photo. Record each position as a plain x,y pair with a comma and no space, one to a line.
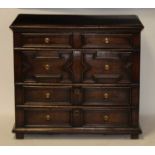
46,118
106,95
46,95
68,95
46,66
107,117
99,40
52,40
76,117
108,66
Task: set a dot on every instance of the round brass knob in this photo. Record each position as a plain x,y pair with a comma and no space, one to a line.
106,95
106,40
106,117
47,95
48,117
47,40
47,67
106,67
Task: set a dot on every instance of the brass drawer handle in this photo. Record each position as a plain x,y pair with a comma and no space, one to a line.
106,67
48,95
106,40
48,117
106,117
46,40
106,95
47,67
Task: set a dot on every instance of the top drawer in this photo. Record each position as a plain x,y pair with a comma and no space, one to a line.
100,40
52,40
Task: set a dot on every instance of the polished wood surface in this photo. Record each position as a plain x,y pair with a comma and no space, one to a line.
114,21
77,74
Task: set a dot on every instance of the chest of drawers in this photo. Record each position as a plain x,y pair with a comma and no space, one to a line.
76,74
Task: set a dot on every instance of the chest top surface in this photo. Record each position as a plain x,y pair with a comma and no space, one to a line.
98,21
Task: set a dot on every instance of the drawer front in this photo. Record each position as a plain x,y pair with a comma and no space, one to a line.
106,117
52,40
46,66
107,67
73,117
86,66
106,96
47,95
68,95
47,118
94,40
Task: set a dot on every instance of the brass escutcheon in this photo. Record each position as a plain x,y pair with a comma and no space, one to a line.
47,40
106,117
47,95
47,67
48,117
106,95
106,67
106,40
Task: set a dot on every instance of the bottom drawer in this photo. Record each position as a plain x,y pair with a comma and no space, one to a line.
47,117
76,117
107,117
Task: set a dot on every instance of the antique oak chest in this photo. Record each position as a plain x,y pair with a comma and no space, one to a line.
77,74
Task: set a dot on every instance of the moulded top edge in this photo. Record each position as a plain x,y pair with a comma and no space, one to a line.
76,21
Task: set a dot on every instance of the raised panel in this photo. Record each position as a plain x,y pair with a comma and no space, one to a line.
107,67
46,66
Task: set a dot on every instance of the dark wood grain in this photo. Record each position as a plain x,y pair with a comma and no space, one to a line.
119,66
77,74
107,118
46,66
47,118
47,95
94,40
106,95
52,40
111,21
